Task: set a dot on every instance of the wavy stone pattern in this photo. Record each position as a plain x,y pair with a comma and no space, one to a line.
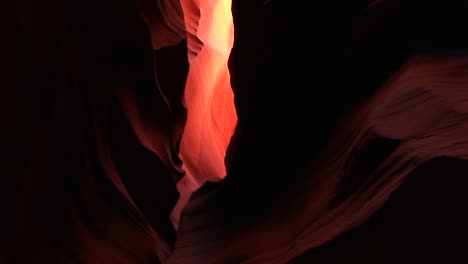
425,95
190,132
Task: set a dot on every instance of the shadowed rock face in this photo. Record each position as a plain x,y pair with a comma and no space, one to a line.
329,133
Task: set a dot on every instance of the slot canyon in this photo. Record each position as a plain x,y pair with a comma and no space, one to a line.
234,132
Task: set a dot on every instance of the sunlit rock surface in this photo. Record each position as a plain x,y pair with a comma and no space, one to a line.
244,132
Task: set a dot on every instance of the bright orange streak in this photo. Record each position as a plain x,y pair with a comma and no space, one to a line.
208,95
209,99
